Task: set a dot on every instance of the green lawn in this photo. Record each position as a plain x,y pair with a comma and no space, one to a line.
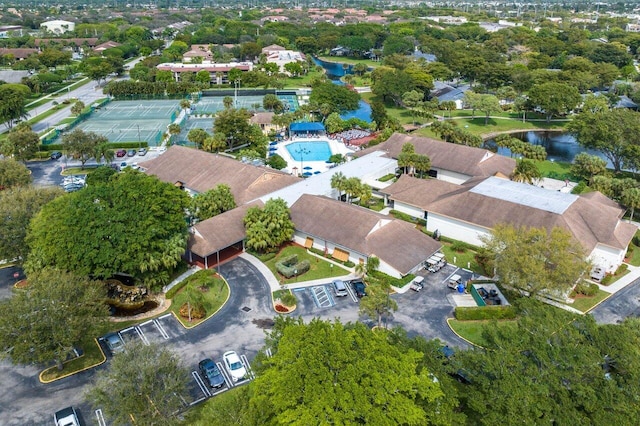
585,304
462,260
472,330
205,285
352,61
554,169
496,126
302,81
319,267
78,171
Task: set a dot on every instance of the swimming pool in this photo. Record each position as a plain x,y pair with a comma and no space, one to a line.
309,151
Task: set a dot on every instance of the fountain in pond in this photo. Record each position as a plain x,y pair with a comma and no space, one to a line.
128,300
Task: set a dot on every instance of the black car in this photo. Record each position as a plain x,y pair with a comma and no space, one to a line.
211,373
55,155
359,288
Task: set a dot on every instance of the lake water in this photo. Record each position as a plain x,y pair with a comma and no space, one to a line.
560,146
334,71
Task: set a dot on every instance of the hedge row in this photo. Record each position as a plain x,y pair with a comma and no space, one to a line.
114,145
464,313
407,218
389,280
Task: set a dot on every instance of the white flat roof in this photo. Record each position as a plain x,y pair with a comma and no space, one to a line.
526,195
320,184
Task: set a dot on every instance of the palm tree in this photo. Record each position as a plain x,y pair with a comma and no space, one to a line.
185,104
338,181
103,151
174,129
526,171
227,101
631,198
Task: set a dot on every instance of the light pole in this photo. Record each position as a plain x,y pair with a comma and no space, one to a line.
302,151
138,126
236,83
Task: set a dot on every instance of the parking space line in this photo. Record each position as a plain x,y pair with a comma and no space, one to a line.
200,383
100,418
141,334
164,316
247,366
225,374
145,323
161,329
350,291
322,297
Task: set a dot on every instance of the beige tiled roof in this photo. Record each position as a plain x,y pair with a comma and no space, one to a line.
201,171
591,219
395,242
262,118
220,231
463,159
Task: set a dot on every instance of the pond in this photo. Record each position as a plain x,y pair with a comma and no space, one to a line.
560,146
334,71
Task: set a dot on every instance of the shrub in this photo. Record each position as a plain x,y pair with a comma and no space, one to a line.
464,313
200,279
197,310
586,289
267,257
459,246
579,188
288,299
622,269
349,264
289,266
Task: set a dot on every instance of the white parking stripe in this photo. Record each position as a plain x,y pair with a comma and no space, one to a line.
142,336
100,418
161,329
201,384
247,366
350,291
225,374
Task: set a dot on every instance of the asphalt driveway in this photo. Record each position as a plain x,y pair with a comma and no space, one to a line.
625,303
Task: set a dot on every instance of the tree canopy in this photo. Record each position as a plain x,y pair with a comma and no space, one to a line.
536,260
17,207
213,202
268,227
342,374
13,173
45,320
339,97
143,383
133,223
22,143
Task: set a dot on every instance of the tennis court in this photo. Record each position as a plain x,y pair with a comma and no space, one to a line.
213,104
132,121
194,123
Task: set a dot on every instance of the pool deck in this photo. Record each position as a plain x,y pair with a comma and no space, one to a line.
336,147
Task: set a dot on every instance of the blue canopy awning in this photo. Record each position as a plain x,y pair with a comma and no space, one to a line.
306,127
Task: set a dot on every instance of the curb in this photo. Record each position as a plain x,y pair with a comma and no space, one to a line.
104,358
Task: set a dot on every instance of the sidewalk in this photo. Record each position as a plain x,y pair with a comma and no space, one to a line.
192,270
634,274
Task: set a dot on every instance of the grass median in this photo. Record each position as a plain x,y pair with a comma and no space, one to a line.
201,295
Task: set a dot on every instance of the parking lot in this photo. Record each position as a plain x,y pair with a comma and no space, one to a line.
321,300
157,330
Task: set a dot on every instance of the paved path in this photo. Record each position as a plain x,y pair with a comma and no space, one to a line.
192,270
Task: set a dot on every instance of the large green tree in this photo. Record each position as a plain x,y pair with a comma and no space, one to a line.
133,223
43,322
82,145
233,125
143,385
536,260
17,207
339,97
22,143
268,227
611,132
13,173
13,103
213,202
553,367
554,98
330,373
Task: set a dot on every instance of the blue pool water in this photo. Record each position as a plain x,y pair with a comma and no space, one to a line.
309,151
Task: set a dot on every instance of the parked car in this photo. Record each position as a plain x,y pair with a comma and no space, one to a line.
211,373
131,153
66,417
142,151
121,153
123,165
340,288
359,288
114,343
234,365
55,155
